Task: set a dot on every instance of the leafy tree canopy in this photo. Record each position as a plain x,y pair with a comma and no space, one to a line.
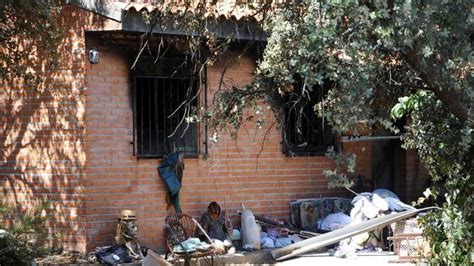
27,27
385,60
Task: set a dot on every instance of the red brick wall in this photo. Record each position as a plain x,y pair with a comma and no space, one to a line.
363,152
116,180
42,148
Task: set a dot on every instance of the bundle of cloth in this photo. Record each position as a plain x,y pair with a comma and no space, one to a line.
369,206
191,245
277,238
334,221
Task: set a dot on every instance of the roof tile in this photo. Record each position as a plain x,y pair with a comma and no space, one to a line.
230,9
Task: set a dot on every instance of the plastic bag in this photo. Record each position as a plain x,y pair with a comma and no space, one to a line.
380,203
283,242
266,241
113,255
250,231
334,221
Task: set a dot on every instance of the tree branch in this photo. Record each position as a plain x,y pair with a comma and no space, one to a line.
450,98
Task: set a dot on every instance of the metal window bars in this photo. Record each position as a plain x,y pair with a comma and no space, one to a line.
304,132
160,125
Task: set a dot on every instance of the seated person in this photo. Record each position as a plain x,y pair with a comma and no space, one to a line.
214,224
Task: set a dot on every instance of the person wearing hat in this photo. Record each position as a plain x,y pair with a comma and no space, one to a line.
127,233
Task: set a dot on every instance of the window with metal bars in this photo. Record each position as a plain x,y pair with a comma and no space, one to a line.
164,94
304,132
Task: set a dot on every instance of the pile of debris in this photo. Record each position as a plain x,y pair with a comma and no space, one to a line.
308,214
368,206
268,233
361,231
127,249
323,215
61,258
355,223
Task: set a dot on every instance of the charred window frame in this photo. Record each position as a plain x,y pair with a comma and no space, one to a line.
304,132
164,94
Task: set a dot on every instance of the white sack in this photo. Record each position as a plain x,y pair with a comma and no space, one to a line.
250,230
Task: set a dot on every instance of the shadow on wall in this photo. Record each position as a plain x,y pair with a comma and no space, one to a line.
42,148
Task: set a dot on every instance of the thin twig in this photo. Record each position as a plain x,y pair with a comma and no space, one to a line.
265,136
139,54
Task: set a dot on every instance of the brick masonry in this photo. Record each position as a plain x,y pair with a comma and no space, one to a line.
116,180
42,135
70,143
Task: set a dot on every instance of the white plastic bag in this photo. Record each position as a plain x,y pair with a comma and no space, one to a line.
380,203
266,242
368,209
250,231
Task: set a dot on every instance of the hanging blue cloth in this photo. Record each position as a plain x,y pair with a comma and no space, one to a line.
167,173
171,175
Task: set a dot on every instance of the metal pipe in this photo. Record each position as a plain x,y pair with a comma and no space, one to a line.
367,138
206,151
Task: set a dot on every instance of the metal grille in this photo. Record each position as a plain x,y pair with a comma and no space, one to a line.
407,226
407,239
160,118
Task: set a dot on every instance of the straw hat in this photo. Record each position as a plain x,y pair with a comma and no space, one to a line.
128,215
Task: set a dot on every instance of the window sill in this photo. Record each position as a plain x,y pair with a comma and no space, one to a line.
145,157
320,152
304,154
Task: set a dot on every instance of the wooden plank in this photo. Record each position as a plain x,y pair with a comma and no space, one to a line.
340,234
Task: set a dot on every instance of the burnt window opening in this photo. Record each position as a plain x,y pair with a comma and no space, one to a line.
165,93
304,132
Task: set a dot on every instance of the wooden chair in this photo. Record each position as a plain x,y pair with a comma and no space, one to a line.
180,227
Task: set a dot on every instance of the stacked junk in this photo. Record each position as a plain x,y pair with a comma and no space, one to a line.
345,226
126,249
361,225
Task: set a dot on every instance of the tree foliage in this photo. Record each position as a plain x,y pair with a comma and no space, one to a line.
384,60
445,146
23,234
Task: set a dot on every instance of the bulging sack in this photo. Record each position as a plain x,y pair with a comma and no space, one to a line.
250,231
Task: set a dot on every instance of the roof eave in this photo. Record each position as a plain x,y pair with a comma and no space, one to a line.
107,9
